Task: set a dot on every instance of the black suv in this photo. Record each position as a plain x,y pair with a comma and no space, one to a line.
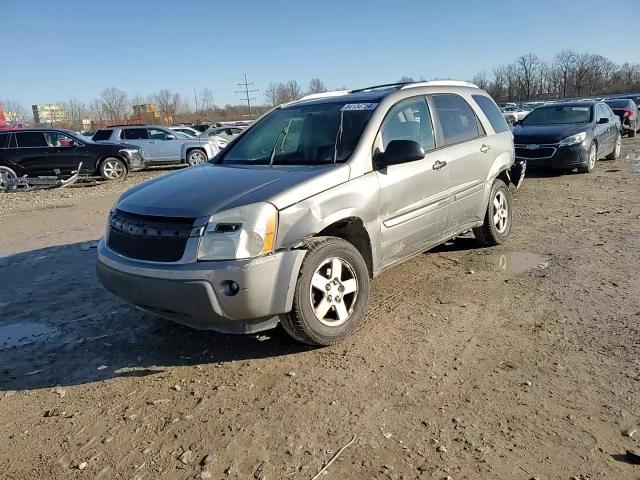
37,152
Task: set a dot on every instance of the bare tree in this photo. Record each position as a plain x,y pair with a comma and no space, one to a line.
96,110
168,104
14,111
205,100
115,104
76,112
317,86
292,91
481,79
406,79
565,62
271,95
527,69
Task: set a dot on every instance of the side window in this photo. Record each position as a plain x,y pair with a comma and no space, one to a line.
607,108
409,120
57,139
456,118
490,109
134,134
155,134
30,139
4,140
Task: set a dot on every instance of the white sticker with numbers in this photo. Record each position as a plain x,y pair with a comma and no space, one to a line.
358,106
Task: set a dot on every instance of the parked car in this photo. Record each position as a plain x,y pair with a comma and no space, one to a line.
88,133
37,152
190,132
628,113
226,133
201,127
160,144
516,111
294,218
568,135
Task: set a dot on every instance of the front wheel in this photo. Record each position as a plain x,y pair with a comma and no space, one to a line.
8,178
196,157
616,150
497,220
331,294
113,168
592,156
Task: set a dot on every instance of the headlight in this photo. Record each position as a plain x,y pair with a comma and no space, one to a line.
242,232
574,139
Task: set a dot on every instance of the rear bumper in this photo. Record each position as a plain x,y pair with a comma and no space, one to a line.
198,295
563,157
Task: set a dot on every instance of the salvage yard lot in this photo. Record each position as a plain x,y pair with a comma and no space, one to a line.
514,362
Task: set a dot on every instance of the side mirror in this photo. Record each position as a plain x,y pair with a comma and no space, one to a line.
603,120
400,151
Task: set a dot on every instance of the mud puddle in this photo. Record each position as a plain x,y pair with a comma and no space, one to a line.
24,333
512,263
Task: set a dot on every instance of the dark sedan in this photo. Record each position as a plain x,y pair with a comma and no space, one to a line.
628,113
568,135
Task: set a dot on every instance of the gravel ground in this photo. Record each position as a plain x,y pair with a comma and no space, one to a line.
516,362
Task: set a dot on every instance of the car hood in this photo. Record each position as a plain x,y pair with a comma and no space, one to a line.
206,189
546,134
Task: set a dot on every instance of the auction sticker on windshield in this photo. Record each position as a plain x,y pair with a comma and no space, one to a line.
580,109
359,106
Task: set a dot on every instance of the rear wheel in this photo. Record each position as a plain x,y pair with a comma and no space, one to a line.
616,150
7,177
113,168
196,157
331,294
497,220
592,156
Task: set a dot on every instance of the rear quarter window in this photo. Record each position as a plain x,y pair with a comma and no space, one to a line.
102,135
490,109
31,139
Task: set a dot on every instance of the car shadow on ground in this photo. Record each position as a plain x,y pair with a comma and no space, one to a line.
59,326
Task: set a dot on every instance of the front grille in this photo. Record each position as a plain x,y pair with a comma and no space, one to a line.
145,237
542,152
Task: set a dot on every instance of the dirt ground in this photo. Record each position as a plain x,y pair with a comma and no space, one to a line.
516,362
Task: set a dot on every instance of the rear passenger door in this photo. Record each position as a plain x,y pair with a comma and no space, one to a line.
413,195
32,153
468,156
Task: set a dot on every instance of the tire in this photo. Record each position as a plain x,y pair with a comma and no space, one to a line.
592,158
7,176
616,150
196,157
113,168
497,220
316,293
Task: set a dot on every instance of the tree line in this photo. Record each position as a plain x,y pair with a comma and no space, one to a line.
569,74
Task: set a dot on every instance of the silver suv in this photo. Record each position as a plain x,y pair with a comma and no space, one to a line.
161,145
294,218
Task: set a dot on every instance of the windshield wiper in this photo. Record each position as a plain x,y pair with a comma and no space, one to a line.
285,130
338,137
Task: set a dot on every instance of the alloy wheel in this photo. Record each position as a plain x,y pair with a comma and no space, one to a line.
113,169
7,177
500,212
196,157
618,145
333,291
593,155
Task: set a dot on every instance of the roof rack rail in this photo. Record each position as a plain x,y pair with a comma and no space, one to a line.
335,93
384,85
127,125
440,83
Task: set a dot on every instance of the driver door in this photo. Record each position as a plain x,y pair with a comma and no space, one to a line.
413,195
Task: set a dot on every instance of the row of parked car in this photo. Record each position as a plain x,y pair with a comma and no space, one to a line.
110,152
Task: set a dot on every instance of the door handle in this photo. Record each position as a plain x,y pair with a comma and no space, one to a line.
485,148
439,164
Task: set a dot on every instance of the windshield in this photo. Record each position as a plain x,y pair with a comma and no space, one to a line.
303,135
558,115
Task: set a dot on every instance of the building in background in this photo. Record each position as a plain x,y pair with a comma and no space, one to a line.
49,114
145,113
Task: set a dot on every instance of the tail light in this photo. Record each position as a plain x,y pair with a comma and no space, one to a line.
627,113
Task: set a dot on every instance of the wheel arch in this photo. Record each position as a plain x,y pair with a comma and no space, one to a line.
352,230
102,158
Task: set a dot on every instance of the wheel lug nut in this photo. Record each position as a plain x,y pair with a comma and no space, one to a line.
337,299
341,289
328,298
327,287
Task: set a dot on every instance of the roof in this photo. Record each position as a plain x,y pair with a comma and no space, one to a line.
374,93
575,103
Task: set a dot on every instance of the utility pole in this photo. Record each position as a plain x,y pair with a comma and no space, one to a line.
245,90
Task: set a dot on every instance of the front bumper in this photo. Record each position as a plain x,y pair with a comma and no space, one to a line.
135,161
198,295
554,155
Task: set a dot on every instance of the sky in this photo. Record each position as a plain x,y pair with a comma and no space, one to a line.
56,50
